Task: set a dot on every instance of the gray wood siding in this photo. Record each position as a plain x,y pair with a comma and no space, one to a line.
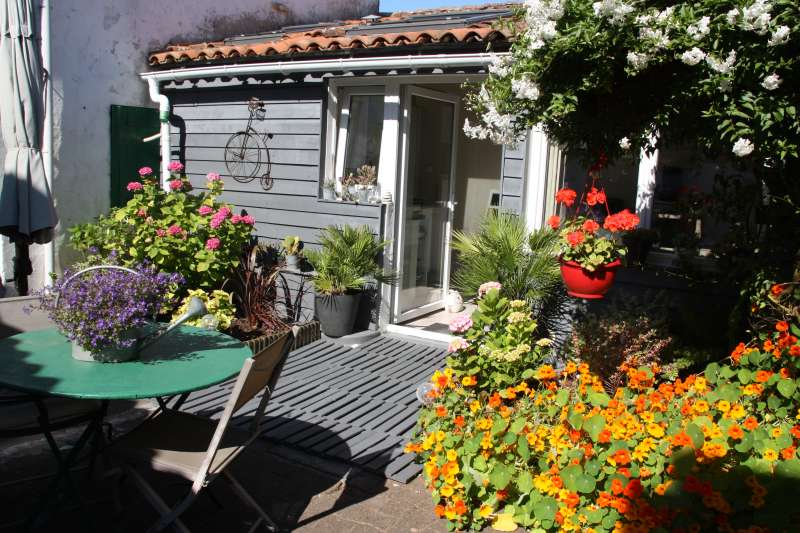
203,121
513,176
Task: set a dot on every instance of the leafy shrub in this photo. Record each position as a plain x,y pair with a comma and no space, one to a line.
347,261
716,451
218,303
191,234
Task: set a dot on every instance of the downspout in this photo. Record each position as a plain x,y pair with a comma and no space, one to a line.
47,134
163,117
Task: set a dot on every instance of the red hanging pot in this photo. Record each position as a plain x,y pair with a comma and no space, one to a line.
582,283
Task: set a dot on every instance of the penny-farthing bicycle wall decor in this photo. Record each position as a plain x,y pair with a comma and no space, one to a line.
247,153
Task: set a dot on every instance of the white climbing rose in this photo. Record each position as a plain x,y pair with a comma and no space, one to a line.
771,82
743,147
779,36
693,56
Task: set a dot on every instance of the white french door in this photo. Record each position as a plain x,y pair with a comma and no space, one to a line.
425,205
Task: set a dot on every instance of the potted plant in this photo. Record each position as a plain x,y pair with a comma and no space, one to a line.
366,182
329,189
292,246
349,187
590,252
344,266
105,311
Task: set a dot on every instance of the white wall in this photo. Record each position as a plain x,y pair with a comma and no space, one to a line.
98,49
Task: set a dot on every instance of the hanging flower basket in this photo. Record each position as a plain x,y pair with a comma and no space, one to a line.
582,283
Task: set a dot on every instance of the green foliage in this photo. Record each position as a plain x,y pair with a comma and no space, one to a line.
347,261
218,303
169,230
525,264
292,245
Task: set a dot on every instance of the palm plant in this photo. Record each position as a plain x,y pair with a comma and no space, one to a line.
347,260
526,264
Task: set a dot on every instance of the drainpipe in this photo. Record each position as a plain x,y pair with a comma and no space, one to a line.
163,117
47,134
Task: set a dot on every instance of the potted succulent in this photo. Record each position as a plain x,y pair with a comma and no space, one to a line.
349,187
106,311
292,247
329,189
344,267
366,182
590,251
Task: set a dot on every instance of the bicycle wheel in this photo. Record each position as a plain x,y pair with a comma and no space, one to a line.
266,177
243,156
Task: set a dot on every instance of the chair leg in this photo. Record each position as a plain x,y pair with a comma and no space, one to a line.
168,516
245,497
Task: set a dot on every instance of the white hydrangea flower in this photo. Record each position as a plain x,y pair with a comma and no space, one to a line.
625,143
743,147
771,82
757,16
723,67
693,57
614,10
638,60
525,89
779,36
699,29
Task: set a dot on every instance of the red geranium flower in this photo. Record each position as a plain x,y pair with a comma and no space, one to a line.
594,197
575,238
566,196
590,226
554,221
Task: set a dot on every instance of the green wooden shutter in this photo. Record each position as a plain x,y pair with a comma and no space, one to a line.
129,125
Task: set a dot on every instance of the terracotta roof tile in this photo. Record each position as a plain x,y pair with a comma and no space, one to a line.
347,35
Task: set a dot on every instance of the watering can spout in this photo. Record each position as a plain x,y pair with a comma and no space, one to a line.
196,309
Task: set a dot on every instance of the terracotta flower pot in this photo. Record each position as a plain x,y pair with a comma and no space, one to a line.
582,283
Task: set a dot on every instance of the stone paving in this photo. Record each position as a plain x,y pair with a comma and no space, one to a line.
302,493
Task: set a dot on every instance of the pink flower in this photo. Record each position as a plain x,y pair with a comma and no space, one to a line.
141,213
216,222
135,186
205,210
457,344
174,229
212,243
249,220
160,232
235,219
176,185
486,287
460,324
175,166
213,176
223,212
145,171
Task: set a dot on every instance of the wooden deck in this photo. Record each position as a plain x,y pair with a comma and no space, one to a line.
353,404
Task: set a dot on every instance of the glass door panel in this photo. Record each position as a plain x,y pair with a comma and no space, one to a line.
427,204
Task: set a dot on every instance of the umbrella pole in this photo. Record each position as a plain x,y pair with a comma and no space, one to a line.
22,267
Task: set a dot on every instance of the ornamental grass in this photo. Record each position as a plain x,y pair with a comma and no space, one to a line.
553,451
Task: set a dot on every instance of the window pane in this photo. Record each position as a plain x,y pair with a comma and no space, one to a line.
364,132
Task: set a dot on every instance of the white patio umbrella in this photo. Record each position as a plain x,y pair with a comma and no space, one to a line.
27,214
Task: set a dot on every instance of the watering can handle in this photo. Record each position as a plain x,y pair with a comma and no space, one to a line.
89,269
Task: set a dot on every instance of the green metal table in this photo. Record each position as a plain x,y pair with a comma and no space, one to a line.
186,360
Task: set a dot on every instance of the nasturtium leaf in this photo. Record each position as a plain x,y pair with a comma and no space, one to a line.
517,425
789,469
525,482
545,509
594,425
599,398
696,434
585,483
500,476
712,372
570,475
786,387
575,420
479,463
562,397
522,447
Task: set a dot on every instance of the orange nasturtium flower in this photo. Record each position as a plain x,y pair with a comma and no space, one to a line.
546,372
782,326
441,410
735,432
750,423
681,439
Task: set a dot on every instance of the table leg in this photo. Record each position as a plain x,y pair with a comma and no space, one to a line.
62,476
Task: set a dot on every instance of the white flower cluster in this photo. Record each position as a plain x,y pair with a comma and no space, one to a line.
638,61
625,143
525,89
658,38
500,128
500,66
755,17
723,67
541,17
693,57
780,35
743,147
771,82
700,29
614,10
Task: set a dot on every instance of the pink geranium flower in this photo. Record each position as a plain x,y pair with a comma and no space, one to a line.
176,185
135,186
223,212
235,219
145,171
174,229
216,222
213,176
213,243
486,287
160,232
457,344
175,166
460,324
249,220
205,210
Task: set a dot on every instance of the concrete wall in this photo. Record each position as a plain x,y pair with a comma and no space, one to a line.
99,47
